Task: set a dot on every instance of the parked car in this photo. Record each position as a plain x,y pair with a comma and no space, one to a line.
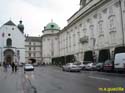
89,66
119,62
28,67
94,66
108,66
71,67
85,63
99,66
81,65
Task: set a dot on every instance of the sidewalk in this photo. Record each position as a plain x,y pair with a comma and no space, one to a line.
11,82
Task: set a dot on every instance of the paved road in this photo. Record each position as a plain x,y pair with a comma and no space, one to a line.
50,79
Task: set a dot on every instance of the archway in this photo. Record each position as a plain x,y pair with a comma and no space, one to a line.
104,55
8,56
32,60
88,56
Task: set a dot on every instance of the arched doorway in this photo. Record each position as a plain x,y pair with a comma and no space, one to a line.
8,56
32,60
88,56
104,55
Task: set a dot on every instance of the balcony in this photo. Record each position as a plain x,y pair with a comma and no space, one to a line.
84,39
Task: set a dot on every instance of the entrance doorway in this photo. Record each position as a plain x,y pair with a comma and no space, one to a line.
32,60
88,56
8,56
104,55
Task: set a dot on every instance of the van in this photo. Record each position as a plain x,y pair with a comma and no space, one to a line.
119,62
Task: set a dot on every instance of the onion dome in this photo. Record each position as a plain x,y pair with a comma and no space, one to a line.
51,26
21,26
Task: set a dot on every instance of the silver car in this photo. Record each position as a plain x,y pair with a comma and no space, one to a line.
71,67
28,67
89,66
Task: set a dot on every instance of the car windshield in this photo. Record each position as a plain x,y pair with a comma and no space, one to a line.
28,65
108,61
77,63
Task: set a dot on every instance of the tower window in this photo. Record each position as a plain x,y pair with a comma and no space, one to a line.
9,42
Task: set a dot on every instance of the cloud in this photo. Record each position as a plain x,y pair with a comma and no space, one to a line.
37,13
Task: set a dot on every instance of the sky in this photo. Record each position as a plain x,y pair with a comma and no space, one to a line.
36,14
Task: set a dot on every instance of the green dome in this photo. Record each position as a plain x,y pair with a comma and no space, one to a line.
52,25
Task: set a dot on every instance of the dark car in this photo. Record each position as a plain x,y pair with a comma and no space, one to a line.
108,66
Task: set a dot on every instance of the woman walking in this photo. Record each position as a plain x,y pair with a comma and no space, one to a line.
13,66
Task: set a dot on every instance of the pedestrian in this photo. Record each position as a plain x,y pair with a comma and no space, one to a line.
13,66
5,66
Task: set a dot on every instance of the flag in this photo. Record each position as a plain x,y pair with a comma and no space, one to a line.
3,34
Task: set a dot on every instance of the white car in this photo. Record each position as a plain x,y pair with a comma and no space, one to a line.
71,67
81,65
28,67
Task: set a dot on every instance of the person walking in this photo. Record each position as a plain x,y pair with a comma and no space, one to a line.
13,66
5,66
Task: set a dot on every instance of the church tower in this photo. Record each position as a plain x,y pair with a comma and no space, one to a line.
21,26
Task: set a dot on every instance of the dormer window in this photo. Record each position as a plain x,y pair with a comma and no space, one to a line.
83,3
52,26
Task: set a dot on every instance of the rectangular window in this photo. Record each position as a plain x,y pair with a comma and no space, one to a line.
34,43
34,54
29,54
29,48
29,43
34,48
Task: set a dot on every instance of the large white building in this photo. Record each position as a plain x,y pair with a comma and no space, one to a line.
12,43
96,32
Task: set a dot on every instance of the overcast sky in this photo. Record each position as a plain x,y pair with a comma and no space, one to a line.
36,14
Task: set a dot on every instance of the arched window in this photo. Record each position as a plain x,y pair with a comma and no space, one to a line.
9,42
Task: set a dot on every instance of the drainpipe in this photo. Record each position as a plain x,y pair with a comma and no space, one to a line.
1,54
121,13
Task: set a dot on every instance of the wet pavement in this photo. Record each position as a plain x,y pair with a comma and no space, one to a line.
50,79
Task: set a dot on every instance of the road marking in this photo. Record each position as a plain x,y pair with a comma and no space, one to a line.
99,78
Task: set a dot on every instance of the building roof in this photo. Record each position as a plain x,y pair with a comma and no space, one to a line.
52,26
10,23
33,38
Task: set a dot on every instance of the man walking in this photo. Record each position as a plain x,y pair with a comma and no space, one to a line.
13,66
5,66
